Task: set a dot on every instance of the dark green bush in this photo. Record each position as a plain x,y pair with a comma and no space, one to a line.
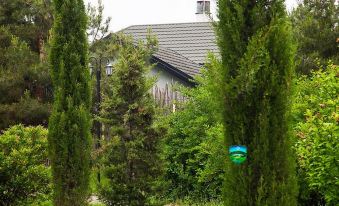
28,111
24,174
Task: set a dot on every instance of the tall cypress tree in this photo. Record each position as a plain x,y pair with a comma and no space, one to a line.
69,125
257,56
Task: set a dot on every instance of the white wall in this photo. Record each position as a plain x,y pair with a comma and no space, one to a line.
164,77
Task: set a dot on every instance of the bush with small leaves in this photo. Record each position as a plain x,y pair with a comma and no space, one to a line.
193,150
24,172
316,117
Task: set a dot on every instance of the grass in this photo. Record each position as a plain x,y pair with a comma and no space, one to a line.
185,203
93,182
179,203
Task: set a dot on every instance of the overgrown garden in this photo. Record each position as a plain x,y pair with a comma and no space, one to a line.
274,88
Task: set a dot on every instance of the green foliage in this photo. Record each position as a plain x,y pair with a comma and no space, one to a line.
97,204
20,73
20,69
193,150
190,203
130,161
316,114
98,27
16,53
27,111
24,176
17,57
257,53
70,122
28,20
316,31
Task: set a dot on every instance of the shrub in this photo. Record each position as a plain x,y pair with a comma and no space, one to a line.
193,149
24,176
316,116
28,111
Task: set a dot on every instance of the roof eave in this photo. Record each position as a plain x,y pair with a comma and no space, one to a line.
173,70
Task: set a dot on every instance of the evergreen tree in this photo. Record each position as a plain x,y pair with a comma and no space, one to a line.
257,54
316,30
98,26
130,161
24,81
25,84
28,20
69,125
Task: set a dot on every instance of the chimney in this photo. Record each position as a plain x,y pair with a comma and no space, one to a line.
203,11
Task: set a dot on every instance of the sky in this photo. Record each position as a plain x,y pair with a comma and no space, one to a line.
125,13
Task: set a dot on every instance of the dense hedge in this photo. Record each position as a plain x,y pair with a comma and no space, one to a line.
24,174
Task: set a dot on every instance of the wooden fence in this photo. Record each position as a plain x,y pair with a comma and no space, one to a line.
167,98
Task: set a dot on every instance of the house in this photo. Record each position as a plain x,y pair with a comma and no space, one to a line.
183,48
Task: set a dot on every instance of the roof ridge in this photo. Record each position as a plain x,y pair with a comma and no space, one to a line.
179,23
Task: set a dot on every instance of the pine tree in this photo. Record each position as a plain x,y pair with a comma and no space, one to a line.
24,78
130,161
69,125
28,20
316,30
257,54
23,84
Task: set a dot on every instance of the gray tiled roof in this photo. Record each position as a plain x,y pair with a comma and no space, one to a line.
182,45
178,61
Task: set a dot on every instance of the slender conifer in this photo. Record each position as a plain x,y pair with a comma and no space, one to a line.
131,162
257,55
69,125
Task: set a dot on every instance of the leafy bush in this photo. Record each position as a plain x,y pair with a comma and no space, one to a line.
193,150
316,116
24,176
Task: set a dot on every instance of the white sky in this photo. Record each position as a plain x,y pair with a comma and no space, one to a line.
125,13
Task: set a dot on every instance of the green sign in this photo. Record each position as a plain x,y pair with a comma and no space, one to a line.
238,153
